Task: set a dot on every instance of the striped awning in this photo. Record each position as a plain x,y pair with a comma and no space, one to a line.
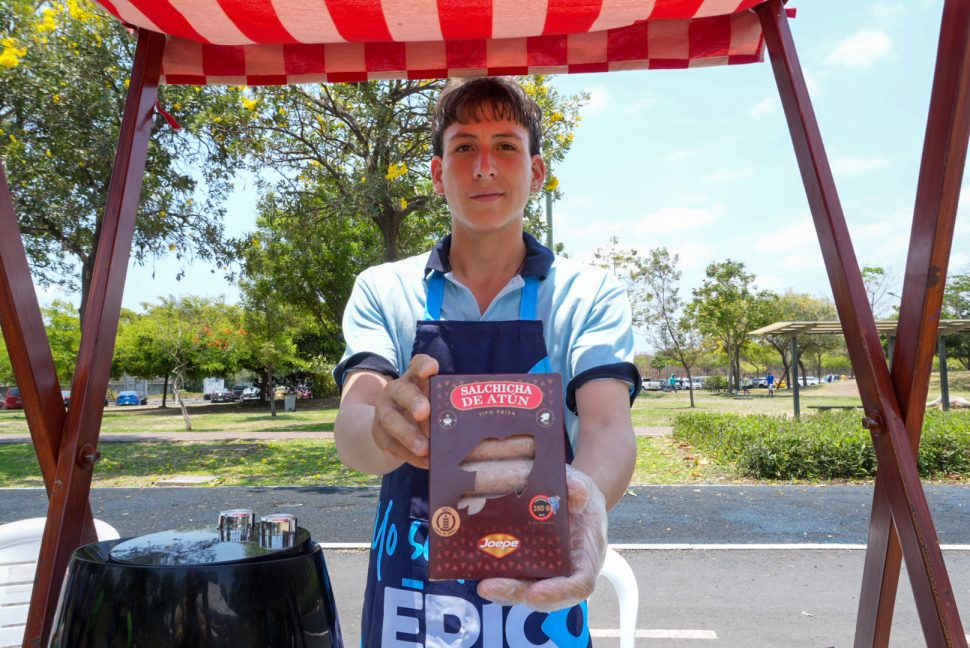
271,42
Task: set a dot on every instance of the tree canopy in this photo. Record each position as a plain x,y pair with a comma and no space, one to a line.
63,81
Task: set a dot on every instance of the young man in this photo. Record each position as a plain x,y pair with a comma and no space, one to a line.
487,299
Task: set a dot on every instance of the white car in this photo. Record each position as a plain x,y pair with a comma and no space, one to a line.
808,381
249,394
652,385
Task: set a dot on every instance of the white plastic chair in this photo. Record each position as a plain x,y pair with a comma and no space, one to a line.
19,549
620,575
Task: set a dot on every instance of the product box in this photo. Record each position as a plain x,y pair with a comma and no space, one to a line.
498,478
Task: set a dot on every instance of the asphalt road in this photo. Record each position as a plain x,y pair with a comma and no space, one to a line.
649,515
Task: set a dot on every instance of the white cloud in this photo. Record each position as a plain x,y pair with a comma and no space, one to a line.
766,106
675,219
599,99
727,176
640,105
786,238
888,9
861,50
858,163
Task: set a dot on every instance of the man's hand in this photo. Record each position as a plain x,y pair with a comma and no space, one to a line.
587,538
401,413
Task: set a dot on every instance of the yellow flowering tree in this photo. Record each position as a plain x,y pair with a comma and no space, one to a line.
64,66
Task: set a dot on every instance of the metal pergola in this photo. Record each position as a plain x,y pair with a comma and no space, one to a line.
888,328
901,526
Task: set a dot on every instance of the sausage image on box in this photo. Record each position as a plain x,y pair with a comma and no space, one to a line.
498,479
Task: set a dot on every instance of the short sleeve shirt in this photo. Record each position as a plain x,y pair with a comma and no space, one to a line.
584,310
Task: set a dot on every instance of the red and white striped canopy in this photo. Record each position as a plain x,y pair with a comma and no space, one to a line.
268,42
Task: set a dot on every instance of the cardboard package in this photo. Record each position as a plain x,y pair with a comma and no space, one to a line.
497,480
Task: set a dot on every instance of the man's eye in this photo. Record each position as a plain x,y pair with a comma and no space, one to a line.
462,148
505,146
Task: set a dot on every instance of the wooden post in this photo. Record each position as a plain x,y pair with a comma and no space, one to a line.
897,466
934,215
78,448
794,375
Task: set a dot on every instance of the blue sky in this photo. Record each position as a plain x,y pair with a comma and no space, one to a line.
700,161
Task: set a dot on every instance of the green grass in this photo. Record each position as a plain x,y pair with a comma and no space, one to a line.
310,416
137,465
290,463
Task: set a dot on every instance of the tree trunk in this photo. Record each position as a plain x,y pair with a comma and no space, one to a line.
690,386
271,391
176,392
165,391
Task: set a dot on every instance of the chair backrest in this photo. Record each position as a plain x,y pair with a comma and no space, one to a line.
19,548
620,575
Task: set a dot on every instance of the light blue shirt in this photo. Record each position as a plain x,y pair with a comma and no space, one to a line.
584,310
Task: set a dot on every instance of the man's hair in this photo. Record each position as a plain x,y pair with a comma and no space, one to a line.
484,98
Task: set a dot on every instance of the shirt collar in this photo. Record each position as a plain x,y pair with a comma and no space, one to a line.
538,258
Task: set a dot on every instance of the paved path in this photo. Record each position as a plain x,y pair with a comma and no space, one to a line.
119,437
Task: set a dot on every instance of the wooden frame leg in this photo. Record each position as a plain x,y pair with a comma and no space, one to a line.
934,217
77,452
897,465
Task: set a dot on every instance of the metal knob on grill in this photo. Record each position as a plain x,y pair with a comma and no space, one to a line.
237,525
277,530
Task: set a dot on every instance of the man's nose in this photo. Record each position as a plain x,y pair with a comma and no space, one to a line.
484,164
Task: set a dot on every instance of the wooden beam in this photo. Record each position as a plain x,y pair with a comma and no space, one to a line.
897,466
79,441
27,345
934,216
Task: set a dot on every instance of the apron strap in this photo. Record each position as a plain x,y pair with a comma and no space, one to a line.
436,295
528,305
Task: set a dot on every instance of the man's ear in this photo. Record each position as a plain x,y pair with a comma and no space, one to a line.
436,172
538,174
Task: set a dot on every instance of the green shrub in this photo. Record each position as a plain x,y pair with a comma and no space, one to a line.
818,447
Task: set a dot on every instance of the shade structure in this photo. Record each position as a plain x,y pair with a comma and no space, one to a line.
830,327
628,34
271,42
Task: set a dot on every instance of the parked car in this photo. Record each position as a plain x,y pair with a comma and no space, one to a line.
249,394
222,396
13,399
131,398
238,390
807,381
650,384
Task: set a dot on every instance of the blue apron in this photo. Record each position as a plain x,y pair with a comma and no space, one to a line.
402,608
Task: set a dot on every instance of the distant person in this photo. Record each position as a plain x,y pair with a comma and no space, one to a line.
672,382
770,379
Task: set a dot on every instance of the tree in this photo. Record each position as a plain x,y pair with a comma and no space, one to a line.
63,71
353,186
64,335
138,350
187,338
956,304
792,306
272,313
726,308
878,282
666,320
6,369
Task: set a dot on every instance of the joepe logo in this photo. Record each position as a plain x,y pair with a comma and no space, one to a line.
499,393
498,545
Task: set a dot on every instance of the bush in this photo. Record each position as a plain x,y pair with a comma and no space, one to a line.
819,447
715,384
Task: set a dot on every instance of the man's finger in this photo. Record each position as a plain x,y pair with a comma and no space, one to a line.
504,591
393,425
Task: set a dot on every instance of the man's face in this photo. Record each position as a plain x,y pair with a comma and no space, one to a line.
487,174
